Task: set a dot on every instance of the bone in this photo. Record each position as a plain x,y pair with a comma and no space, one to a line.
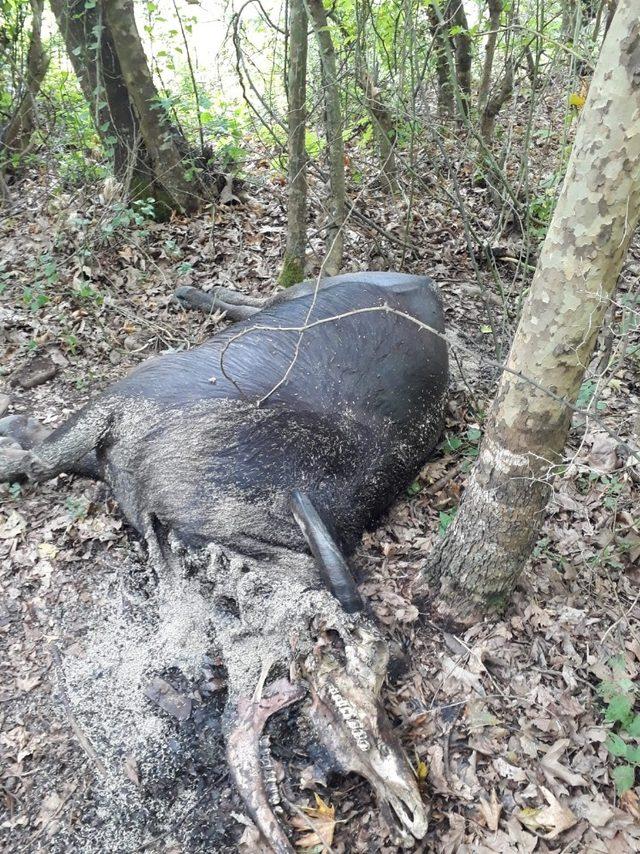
253,774
349,721
269,774
350,717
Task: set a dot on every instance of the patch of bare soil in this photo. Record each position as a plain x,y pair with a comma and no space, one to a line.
110,694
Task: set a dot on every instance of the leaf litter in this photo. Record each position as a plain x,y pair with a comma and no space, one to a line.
504,722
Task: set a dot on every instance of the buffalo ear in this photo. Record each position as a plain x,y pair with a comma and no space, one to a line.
333,568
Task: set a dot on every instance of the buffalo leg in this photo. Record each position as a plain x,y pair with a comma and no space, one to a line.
70,448
236,306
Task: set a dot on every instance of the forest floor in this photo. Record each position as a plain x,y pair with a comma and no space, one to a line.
505,723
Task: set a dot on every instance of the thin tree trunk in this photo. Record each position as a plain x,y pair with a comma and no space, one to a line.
446,102
385,130
160,138
496,102
495,10
570,12
100,77
16,136
462,44
532,68
480,557
382,120
335,144
293,264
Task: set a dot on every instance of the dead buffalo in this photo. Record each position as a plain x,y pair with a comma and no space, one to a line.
257,460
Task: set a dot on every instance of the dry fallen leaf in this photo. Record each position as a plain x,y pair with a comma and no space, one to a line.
130,767
453,670
595,809
553,769
318,825
164,695
12,526
630,802
27,683
49,808
47,551
511,772
490,810
603,456
554,819
251,841
451,841
437,777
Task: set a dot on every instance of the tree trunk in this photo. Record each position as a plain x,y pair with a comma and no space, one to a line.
100,77
441,49
182,189
293,264
462,43
479,559
570,13
385,131
495,10
16,135
335,144
495,103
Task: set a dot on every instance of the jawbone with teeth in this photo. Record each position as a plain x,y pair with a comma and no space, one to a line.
286,641
349,719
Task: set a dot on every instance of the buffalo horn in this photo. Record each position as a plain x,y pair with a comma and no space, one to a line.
333,567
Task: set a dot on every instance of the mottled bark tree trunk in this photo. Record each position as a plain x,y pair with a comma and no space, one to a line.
293,264
93,55
16,135
479,559
611,10
163,143
335,144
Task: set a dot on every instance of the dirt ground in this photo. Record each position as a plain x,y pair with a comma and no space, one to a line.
505,723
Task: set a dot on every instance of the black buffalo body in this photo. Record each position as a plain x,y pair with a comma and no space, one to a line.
210,443
287,432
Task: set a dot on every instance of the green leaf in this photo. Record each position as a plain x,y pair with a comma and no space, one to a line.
486,330
452,443
619,708
624,777
586,392
414,489
608,689
634,727
473,434
615,745
633,754
446,519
